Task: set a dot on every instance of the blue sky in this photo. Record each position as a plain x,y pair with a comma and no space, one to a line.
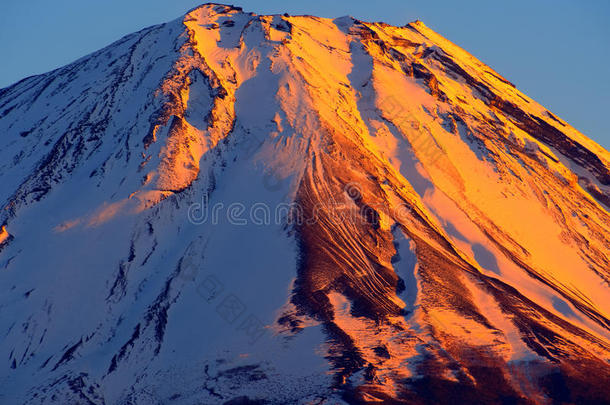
555,51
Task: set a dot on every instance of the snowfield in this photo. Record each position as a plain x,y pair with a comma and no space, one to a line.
233,208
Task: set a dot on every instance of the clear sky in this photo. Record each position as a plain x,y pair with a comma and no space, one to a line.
555,51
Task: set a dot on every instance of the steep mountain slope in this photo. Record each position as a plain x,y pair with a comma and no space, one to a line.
290,209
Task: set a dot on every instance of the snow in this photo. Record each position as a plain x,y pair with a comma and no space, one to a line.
108,279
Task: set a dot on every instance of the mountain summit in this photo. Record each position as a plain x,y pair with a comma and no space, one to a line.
233,208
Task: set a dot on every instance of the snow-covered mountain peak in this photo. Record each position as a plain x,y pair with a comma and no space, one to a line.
239,207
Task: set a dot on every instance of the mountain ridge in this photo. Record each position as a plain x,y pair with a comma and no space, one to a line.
443,233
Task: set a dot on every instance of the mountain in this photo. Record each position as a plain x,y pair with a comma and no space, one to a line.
233,208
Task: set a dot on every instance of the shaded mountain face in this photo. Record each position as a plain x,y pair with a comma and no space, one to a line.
233,208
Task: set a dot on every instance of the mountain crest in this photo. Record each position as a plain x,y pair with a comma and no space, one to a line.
297,209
